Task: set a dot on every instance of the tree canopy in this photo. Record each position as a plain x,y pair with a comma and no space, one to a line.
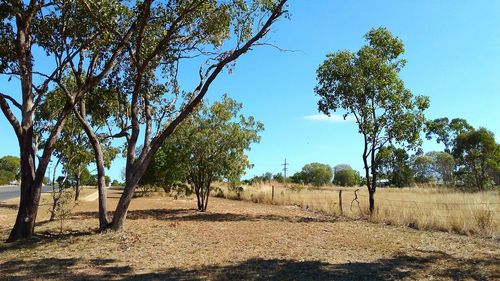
9,169
367,86
478,157
446,131
346,177
209,145
317,174
128,52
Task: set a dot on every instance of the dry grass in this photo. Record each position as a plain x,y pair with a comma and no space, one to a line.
166,239
421,208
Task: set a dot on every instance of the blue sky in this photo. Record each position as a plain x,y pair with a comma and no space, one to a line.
453,53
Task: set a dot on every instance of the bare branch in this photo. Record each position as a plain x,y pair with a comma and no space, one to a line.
10,116
12,100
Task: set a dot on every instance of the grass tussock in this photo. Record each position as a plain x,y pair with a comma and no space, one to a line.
442,209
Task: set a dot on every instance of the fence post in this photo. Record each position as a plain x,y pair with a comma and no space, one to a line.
272,195
340,201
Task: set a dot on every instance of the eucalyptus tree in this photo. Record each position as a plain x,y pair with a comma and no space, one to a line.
73,147
9,169
423,168
170,35
394,164
209,145
54,29
446,131
366,85
443,166
478,156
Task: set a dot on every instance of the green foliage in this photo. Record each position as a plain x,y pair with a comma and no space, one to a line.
394,164
366,85
423,168
9,169
346,177
478,157
297,178
210,144
446,131
341,167
267,177
443,166
278,177
73,147
316,174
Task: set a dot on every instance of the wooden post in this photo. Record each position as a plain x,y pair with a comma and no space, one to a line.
272,195
340,201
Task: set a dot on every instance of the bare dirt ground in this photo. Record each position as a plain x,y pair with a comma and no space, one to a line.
166,239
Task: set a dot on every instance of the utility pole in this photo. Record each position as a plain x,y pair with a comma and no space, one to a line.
284,170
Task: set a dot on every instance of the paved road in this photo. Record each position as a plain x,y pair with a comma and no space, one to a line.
8,192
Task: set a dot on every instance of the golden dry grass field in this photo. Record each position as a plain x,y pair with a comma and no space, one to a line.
442,209
166,239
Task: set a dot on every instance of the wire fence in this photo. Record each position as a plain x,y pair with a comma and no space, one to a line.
349,201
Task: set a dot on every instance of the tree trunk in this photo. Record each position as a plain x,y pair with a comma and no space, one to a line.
206,198
198,195
122,207
101,187
372,189
30,193
77,186
372,201
131,180
99,161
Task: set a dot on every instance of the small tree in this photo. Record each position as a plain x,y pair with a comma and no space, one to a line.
346,177
478,155
394,164
278,177
367,86
422,167
209,145
9,169
267,177
341,167
443,166
316,174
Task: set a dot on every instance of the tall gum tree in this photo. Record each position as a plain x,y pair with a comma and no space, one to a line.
204,29
73,146
167,34
366,85
54,28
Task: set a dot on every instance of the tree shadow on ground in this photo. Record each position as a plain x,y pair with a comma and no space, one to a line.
42,238
62,269
8,206
195,215
423,265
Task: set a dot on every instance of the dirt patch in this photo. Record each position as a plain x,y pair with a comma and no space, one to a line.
167,239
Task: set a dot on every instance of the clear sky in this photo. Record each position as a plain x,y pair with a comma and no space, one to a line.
453,53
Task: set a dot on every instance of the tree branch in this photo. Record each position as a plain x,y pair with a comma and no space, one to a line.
10,116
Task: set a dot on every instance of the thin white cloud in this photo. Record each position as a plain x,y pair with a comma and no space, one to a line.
336,118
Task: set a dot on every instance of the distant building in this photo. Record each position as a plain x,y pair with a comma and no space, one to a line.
383,182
